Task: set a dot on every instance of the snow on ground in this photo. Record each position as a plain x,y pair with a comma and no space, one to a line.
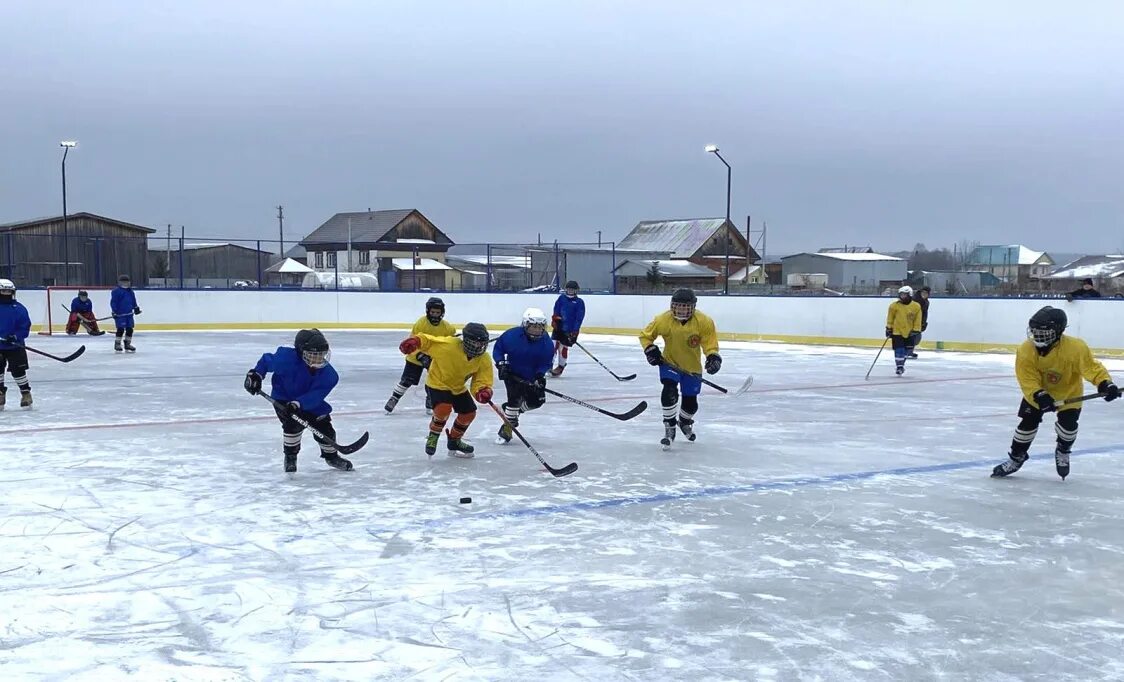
822,527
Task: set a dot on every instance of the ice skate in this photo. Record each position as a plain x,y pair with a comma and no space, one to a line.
503,437
129,348
1009,466
431,443
557,371
25,401
290,463
391,404
336,462
3,396
668,434
687,426
899,370
1061,462
912,356
118,346
459,447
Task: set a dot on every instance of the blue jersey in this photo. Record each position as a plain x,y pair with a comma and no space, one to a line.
527,359
14,321
121,303
570,313
294,380
80,306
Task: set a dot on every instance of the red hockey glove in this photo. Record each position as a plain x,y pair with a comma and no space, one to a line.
410,345
484,395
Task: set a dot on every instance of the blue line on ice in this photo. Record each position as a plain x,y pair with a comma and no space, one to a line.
719,491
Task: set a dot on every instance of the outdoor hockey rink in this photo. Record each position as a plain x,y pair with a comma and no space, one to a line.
822,527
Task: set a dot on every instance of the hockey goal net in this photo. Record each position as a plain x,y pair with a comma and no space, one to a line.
55,316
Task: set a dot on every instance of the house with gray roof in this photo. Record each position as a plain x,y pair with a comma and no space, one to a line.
699,240
1014,263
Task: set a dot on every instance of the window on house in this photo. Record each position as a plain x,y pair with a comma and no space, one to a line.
364,257
319,259
331,259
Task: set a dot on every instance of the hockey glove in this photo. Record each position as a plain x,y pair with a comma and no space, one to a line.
424,360
572,338
10,338
484,395
410,345
136,310
540,382
556,322
653,354
1110,390
503,370
713,363
924,326
293,406
253,382
889,332
1045,401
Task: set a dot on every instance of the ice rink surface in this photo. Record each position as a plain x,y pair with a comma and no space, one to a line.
822,527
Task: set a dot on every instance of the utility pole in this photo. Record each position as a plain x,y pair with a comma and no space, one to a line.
168,258
281,227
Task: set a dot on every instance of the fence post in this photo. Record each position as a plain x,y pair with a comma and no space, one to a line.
613,270
488,269
336,268
258,259
180,258
557,266
414,267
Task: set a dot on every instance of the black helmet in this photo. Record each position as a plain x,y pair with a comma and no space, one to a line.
571,285
683,304
434,303
124,279
1046,326
82,293
474,338
313,347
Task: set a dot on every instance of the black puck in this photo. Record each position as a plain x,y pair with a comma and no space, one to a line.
466,500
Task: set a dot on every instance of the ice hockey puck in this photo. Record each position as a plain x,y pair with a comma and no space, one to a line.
466,500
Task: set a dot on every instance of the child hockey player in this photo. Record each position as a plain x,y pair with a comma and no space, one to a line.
922,300
569,312
82,312
302,380
903,320
685,331
1049,368
123,305
15,325
434,324
454,361
523,355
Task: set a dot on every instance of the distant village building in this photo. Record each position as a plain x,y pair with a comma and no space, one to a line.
33,253
1014,264
209,264
1107,273
656,276
698,240
850,272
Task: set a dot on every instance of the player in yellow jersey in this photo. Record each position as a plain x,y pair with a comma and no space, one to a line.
453,362
903,326
434,324
686,332
1050,367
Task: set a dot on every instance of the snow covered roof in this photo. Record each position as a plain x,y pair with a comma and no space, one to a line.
681,238
288,267
849,256
1013,254
422,264
667,268
1103,267
496,261
742,274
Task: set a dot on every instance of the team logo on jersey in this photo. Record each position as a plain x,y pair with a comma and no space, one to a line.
694,341
1053,377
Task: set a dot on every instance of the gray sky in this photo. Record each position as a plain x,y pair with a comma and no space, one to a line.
865,122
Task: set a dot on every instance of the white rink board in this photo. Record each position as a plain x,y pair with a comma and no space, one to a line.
960,324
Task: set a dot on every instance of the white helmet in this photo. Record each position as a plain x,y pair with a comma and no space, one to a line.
534,322
907,290
7,285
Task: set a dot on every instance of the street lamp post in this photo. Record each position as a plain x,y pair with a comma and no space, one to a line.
713,149
66,147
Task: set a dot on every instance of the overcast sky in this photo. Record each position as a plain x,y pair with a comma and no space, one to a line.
871,122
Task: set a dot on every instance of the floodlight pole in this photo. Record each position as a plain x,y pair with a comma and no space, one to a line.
66,146
713,149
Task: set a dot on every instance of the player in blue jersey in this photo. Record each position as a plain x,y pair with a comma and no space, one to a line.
123,305
523,355
82,313
302,380
569,313
15,326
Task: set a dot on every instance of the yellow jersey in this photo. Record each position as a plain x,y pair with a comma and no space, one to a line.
682,341
424,326
451,368
904,319
1059,372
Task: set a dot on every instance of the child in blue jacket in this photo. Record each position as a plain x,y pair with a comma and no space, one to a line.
523,355
302,380
123,305
569,313
15,326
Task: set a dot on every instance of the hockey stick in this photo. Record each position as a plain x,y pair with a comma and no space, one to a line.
630,377
68,358
1091,396
741,389
623,416
342,449
86,323
876,358
557,473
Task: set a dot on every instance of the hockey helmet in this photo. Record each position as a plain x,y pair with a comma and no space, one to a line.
125,281
571,288
434,304
534,323
83,294
683,304
313,347
1046,326
474,339
905,291
8,286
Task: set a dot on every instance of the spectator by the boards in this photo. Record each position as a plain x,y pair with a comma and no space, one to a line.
1086,291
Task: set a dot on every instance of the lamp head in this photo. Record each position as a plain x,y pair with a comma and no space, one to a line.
711,148
68,143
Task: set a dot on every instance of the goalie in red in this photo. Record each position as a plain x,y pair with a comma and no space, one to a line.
82,313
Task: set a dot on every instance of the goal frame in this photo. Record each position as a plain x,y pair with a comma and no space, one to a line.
55,318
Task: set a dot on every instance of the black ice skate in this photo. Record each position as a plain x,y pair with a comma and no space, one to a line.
431,443
391,404
668,434
1061,461
504,436
1009,466
912,356
129,348
900,370
687,426
459,447
290,463
118,347
3,396
336,462
25,401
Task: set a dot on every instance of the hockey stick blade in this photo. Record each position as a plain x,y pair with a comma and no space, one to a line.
342,449
630,377
557,473
623,416
72,356
357,445
744,388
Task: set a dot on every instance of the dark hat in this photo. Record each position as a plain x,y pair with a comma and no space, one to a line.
1087,280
